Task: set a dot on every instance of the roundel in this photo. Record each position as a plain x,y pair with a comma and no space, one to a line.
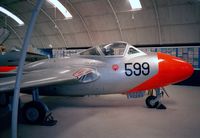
115,67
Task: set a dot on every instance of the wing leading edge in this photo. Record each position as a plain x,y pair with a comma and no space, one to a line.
40,78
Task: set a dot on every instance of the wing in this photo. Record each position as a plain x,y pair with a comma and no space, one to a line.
47,77
7,74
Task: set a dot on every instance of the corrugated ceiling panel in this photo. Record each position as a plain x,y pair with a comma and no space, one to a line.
182,14
147,35
12,43
77,40
181,33
144,18
101,23
46,28
106,37
91,8
130,35
71,26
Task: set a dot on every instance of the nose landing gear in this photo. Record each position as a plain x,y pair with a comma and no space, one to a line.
155,101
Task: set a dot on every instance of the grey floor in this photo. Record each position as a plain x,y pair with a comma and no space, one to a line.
114,116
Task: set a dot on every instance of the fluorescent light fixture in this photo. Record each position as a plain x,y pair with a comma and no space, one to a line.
61,8
135,4
14,17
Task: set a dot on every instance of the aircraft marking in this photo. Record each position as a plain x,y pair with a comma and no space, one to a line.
82,72
137,69
115,67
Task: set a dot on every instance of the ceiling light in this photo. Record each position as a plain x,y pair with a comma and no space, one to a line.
61,8
135,5
14,17
50,45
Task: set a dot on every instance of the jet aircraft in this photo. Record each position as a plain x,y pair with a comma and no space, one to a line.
94,72
10,59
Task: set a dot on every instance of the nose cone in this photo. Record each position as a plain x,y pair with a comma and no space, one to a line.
173,69
170,70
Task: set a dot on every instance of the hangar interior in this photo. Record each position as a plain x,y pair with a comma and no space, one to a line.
169,26
103,21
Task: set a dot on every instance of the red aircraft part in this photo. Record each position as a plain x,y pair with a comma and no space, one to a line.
171,70
7,68
115,67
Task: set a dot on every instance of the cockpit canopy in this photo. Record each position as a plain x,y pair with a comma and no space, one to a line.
113,49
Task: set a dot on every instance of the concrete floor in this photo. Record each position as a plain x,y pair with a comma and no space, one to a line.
114,116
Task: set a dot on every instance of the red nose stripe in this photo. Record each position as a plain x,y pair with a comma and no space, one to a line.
170,70
7,68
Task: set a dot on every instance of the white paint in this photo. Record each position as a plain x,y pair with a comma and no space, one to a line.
37,64
46,79
65,71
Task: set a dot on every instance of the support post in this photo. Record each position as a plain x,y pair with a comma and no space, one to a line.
25,45
35,95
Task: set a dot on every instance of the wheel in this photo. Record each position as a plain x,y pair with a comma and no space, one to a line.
149,102
34,112
4,100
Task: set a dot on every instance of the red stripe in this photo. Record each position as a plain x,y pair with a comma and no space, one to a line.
7,68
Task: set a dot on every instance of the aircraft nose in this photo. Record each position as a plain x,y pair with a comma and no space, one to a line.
173,69
170,70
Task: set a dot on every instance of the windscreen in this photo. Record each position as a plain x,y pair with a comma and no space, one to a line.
115,49
92,51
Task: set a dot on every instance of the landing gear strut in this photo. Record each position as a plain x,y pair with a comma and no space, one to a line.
36,112
154,101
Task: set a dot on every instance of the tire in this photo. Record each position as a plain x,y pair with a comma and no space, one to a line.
34,112
149,102
4,100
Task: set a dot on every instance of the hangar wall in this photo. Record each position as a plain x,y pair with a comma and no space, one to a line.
93,23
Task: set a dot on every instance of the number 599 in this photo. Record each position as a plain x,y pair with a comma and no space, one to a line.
137,69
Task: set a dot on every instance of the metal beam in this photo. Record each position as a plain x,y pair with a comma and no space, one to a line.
12,28
15,32
157,20
83,22
56,26
117,20
21,66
